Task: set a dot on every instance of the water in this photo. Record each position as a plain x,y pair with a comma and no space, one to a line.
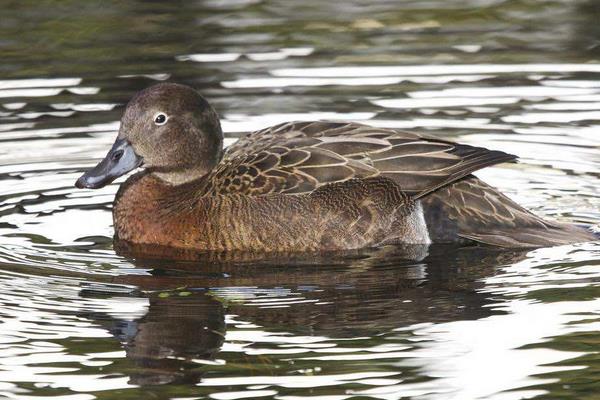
79,321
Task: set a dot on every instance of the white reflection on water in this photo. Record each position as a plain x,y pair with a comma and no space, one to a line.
38,312
280,54
39,83
14,93
536,118
368,71
558,106
571,83
499,92
443,102
84,107
244,123
217,57
311,381
351,81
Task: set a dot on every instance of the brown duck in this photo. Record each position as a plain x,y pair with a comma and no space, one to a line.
301,186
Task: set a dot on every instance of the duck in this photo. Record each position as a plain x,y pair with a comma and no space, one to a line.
302,186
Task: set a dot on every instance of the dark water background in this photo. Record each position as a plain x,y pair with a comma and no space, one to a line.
79,322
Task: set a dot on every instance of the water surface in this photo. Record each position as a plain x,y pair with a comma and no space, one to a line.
79,321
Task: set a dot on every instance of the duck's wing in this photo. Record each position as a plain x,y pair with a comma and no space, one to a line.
473,210
302,156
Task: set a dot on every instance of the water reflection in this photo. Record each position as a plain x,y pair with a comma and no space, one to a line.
78,321
176,331
363,294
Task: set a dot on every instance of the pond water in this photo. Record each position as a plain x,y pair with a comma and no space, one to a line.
78,321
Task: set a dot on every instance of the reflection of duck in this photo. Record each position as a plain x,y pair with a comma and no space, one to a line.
363,294
164,343
301,186
372,285
176,327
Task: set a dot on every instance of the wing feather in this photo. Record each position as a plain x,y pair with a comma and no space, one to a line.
299,157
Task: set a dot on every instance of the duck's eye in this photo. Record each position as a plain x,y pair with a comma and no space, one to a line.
160,118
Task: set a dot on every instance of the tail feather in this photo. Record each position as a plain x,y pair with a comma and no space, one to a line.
471,209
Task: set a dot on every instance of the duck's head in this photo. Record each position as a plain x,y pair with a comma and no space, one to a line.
170,130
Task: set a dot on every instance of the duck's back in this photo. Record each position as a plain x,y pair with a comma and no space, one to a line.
300,157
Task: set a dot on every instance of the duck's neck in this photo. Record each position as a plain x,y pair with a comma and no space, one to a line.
146,205
177,178
186,175
147,187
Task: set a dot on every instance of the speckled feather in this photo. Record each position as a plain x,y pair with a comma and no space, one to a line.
350,215
298,157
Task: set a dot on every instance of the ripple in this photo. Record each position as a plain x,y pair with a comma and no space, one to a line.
38,83
370,71
81,322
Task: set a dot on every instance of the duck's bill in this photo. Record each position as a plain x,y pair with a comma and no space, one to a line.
120,160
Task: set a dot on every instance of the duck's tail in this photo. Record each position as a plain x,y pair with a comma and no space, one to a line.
479,212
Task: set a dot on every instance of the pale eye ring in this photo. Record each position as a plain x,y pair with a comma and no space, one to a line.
160,118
